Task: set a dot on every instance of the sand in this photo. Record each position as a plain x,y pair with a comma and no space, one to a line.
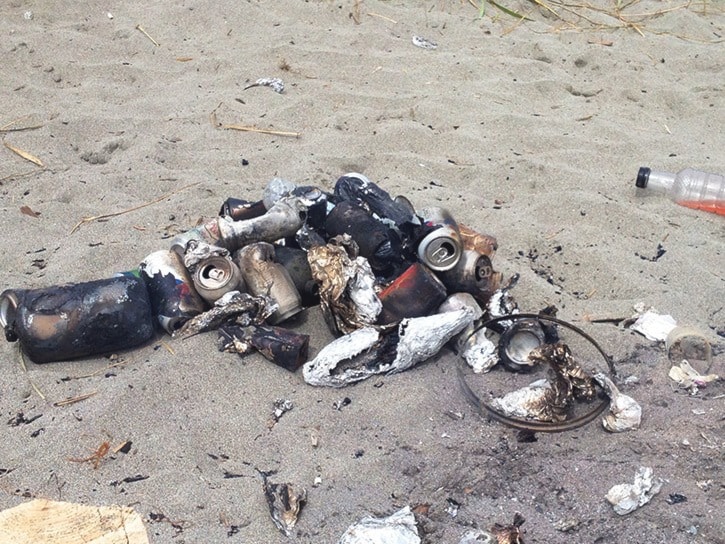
530,131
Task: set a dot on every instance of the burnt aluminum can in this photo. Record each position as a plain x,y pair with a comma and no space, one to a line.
215,276
350,218
441,248
472,274
78,319
474,240
415,293
240,210
174,300
264,276
298,266
518,341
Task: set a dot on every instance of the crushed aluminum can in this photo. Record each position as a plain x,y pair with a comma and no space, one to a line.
215,276
78,319
264,276
283,347
174,299
416,292
398,528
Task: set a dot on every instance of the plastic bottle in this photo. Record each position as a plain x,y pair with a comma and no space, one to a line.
688,187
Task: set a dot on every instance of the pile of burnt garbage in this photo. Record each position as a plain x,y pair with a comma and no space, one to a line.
394,285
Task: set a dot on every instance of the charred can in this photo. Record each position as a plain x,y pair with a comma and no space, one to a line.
298,266
78,319
215,276
415,293
174,299
239,209
441,248
518,341
472,274
264,276
349,218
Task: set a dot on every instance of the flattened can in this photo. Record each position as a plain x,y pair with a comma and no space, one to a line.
174,300
77,319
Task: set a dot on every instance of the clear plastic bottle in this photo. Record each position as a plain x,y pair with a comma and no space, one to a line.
688,187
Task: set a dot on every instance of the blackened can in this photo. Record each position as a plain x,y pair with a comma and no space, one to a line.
174,299
415,293
78,319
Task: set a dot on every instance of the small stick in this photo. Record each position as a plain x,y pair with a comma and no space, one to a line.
371,14
244,128
24,154
25,370
73,400
139,27
115,214
23,175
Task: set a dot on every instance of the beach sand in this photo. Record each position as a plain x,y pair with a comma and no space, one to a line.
529,131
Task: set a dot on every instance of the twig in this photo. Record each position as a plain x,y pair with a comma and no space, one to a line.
24,154
25,371
23,175
245,128
371,14
139,27
73,400
115,214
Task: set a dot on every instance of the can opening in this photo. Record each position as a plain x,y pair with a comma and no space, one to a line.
8,309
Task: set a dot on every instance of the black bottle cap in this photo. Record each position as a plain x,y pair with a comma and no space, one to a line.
643,177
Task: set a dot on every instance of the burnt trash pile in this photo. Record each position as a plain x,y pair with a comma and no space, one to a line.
394,284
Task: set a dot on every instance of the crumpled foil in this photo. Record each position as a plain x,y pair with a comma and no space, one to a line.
347,297
398,528
368,351
197,251
626,498
241,308
284,501
625,414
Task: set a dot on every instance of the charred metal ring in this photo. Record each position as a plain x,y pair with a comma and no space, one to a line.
526,424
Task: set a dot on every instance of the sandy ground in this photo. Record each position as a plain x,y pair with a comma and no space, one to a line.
532,132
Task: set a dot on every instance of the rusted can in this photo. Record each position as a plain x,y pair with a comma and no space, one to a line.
415,293
78,319
441,248
473,240
174,299
264,276
215,276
